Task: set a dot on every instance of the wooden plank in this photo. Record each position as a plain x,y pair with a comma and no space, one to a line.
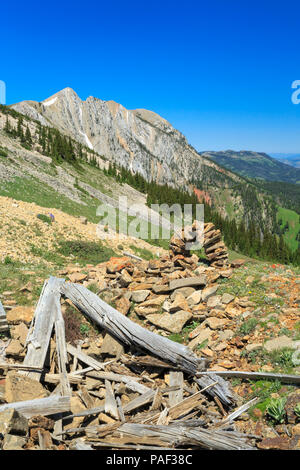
131,382
41,406
62,356
9,366
126,253
235,414
81,356
3,320
128,332
110,407
120,410
139,401
55,378
284,378
38,338
180,434
176,380
86,397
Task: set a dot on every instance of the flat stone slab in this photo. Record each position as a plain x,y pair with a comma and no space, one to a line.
170,322
280,343
199,281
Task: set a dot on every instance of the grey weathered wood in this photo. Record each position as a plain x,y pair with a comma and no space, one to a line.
131,382
221,389
176,380
126,253
92,411
81,356
38,338
284,378
120,409
110,402
56,378
3,320
236,413
181,434
81,445
41,406
163,417
9,366
139,401
62,356
129,332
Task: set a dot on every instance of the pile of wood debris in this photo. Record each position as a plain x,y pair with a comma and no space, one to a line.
153,394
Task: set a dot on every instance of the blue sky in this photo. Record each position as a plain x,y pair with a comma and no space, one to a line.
220,72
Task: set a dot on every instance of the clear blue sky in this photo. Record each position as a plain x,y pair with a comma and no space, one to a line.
220,71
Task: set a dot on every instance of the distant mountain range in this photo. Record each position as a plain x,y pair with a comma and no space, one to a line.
257,165
292,159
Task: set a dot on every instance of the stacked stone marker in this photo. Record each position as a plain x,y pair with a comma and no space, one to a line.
215,249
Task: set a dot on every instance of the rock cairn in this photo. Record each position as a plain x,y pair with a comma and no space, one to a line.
214,248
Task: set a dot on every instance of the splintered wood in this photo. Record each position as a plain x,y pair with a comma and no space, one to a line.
154,396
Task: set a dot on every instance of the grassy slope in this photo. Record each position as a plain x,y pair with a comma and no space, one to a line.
294,225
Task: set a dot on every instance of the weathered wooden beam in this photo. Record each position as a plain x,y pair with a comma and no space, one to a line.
131,382
39,335
3,320
129,332
81,356
284,378
176,380
126,253
41,406
62,356
180,434
110,406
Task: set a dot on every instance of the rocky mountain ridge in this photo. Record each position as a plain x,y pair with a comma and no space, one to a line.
138,139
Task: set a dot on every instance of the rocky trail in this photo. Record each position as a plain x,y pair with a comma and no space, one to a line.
147,354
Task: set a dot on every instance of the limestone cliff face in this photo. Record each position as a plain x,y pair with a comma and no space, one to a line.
137,139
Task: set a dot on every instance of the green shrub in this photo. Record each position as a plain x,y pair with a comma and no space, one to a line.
276,410
297,410
85,252
44,218
248,326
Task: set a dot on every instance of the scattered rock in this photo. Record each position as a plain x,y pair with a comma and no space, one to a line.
123,305
279,343
208,292
20,314
194,298
139,296
214,301
14,348
170,322
13,422
227,298
21,388
11,442
20,332
204,334
216,323
77,277
115,264
111,346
